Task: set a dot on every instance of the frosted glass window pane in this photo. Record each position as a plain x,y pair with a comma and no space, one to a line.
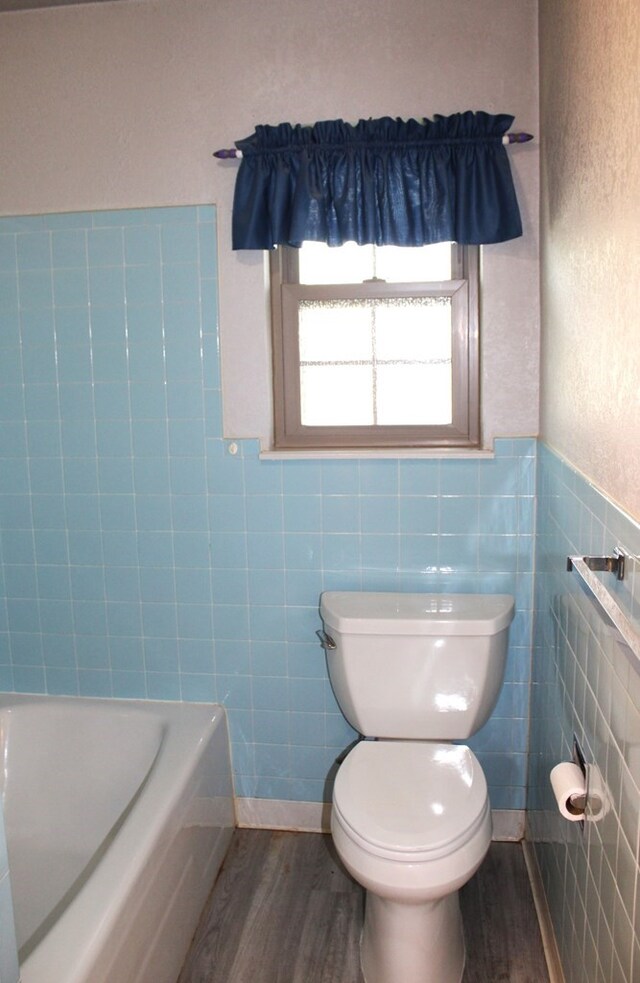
376,361
336,395
334,331
410,328
414,329
413,394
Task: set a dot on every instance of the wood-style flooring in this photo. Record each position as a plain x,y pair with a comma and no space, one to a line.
283,910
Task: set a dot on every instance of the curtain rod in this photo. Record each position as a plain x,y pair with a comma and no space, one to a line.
506,139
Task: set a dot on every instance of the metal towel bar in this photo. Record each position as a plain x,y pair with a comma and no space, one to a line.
584,567
609,564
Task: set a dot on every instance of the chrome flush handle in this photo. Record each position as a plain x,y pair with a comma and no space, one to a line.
326,641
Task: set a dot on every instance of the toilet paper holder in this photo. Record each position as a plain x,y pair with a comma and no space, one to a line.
593,802
579,802
578,756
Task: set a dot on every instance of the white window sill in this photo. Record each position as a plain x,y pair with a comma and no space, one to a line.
378,453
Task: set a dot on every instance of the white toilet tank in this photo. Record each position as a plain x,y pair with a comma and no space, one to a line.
416,666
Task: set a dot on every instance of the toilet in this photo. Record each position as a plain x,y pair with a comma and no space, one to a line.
411,820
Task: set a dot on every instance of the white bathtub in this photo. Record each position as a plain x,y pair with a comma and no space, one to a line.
118,815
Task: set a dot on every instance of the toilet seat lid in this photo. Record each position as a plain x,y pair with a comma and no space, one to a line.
410,800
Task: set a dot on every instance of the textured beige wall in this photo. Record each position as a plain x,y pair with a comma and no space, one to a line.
590,109
116,105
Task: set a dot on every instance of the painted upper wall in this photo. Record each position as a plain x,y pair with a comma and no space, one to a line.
117,105
590,103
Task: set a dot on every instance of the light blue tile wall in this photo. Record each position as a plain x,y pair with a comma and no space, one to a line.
585,683
140,558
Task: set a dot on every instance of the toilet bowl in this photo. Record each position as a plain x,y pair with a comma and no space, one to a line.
411,823
411,819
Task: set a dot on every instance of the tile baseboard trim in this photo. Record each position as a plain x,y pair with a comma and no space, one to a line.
307,817
552,955
508,825
315,817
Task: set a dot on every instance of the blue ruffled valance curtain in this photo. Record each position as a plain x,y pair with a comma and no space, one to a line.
383,181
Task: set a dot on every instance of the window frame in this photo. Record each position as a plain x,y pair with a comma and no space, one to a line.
463,433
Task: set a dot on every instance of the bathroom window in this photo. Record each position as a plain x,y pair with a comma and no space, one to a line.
375,346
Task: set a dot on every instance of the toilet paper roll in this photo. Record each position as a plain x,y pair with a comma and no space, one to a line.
568,784
598,799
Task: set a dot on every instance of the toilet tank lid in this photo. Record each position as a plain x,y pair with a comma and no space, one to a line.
380,613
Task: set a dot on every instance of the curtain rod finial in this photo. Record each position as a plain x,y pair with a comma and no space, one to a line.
517,137
227,154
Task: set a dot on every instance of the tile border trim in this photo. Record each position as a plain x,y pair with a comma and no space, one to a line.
552,955
315,817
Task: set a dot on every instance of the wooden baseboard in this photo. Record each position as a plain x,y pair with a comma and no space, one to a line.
552,955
